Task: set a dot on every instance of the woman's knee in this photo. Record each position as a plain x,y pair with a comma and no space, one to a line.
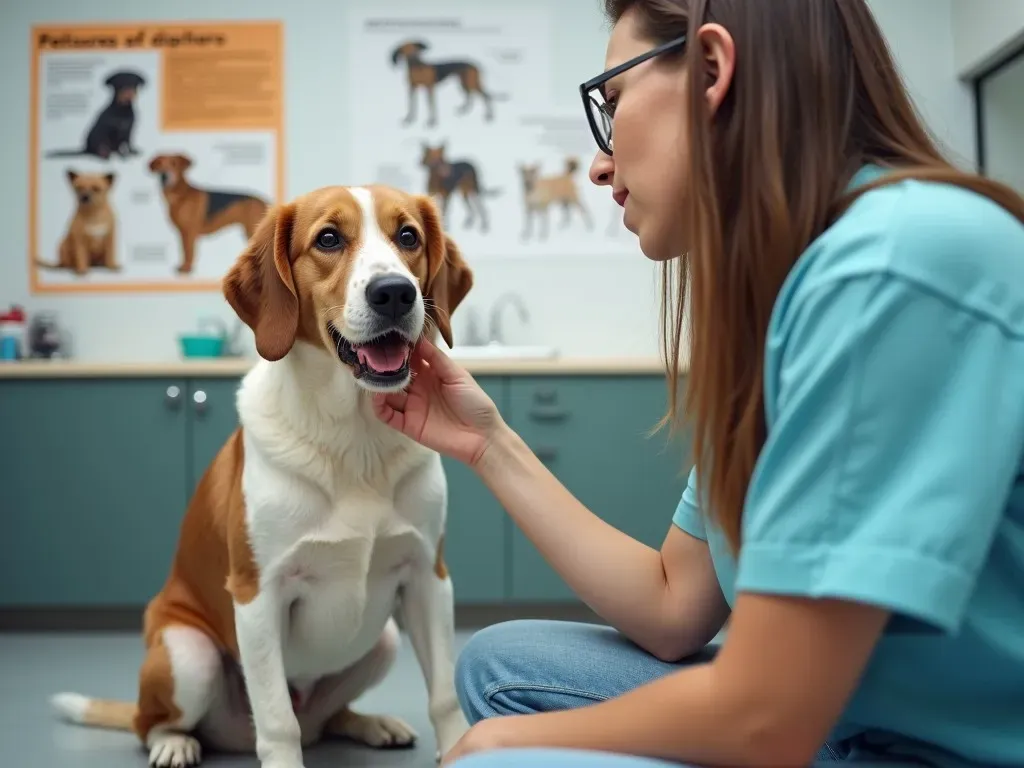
520,667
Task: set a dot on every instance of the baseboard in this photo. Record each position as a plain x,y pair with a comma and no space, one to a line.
129,618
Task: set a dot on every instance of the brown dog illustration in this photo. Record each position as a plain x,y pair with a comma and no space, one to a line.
196,212
427,75
89,241
541,192
445,177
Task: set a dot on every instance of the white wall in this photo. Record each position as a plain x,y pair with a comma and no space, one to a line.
604,307
984,31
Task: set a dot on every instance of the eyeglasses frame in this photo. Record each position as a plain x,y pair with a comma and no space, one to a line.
601,79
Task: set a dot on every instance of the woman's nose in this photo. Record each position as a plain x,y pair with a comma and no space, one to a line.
602,169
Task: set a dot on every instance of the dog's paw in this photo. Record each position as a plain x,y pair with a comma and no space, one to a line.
174,750
377,731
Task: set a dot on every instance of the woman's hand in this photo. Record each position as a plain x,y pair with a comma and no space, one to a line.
495,733
442,408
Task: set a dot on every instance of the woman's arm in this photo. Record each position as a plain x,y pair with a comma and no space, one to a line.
667,602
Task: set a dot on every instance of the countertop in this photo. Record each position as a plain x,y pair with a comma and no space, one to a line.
236,367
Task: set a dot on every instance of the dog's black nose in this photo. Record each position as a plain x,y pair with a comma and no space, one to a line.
391,295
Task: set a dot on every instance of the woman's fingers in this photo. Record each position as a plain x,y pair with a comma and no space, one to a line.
441,365
390,408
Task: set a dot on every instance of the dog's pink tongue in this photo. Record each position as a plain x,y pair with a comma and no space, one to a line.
385,356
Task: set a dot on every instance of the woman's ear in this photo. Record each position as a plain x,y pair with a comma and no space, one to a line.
718,51
260,286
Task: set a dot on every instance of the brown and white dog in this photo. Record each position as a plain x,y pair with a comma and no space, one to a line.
90,240
316,525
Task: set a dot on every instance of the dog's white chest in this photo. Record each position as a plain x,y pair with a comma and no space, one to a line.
338,595
97,230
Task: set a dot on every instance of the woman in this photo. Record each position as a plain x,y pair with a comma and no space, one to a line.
856,390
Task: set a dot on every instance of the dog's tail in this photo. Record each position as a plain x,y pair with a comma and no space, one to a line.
46,264
99,713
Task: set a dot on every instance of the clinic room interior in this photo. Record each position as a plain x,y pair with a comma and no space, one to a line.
157,155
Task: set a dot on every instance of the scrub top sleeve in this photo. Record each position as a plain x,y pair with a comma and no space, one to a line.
896,427
688,515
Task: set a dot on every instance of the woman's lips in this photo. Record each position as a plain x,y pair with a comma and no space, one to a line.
620,197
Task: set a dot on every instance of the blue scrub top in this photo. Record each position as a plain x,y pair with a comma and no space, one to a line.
892,473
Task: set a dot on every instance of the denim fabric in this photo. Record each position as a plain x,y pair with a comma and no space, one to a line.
523,667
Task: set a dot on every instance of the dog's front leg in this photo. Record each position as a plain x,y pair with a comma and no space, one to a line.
259,628
428,616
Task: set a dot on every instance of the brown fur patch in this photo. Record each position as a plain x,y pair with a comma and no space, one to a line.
440,568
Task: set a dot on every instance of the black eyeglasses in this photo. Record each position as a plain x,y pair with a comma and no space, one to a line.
599,111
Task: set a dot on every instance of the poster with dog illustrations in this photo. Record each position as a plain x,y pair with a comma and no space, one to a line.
458,105
156,149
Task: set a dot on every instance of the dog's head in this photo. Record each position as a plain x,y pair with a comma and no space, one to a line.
360,272
91,189
407,50
170,168
125,85
529,174
433,157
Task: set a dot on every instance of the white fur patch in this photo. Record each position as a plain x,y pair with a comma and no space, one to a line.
173,750
97,230
70,706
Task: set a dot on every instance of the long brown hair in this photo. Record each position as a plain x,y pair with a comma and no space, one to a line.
815,96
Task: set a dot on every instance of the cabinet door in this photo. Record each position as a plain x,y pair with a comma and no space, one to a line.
92,489
593,433
476,537
212,419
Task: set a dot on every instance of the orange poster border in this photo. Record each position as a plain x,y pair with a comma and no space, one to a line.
206,286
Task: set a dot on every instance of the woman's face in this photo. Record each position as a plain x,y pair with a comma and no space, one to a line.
648,171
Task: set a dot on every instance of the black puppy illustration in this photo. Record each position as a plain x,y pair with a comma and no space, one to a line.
111,133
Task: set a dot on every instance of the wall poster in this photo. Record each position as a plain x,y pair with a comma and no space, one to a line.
458,105
155,150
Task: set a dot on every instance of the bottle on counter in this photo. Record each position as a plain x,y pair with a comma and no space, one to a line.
12,334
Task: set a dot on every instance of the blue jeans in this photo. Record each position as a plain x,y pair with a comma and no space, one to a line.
525,667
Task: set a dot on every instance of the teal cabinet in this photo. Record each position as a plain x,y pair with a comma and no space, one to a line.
96,475
593,432
92,489
477,531
213,417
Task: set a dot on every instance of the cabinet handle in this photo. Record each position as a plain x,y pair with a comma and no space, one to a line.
547,414
545,396
199,398
546,453
173,396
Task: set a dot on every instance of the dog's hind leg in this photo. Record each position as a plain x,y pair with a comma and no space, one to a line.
328,711
176,686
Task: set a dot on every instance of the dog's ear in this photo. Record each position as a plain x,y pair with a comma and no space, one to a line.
155,162
184,162
260,286
110,179
72,175
449,277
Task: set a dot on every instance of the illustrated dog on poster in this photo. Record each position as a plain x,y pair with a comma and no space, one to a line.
196,212
111,132
445,177
89,240
316,529
428,75
542,192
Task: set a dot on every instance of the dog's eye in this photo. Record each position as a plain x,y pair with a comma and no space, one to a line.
408,238
328,239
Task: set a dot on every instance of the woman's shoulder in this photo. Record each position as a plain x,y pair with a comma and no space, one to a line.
934,236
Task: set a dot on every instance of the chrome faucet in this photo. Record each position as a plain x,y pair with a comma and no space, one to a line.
495,335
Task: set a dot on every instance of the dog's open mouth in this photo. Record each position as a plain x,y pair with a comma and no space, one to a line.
383,360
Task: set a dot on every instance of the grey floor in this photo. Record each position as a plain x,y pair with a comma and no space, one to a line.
34,666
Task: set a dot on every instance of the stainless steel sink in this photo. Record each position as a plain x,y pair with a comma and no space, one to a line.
497,351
